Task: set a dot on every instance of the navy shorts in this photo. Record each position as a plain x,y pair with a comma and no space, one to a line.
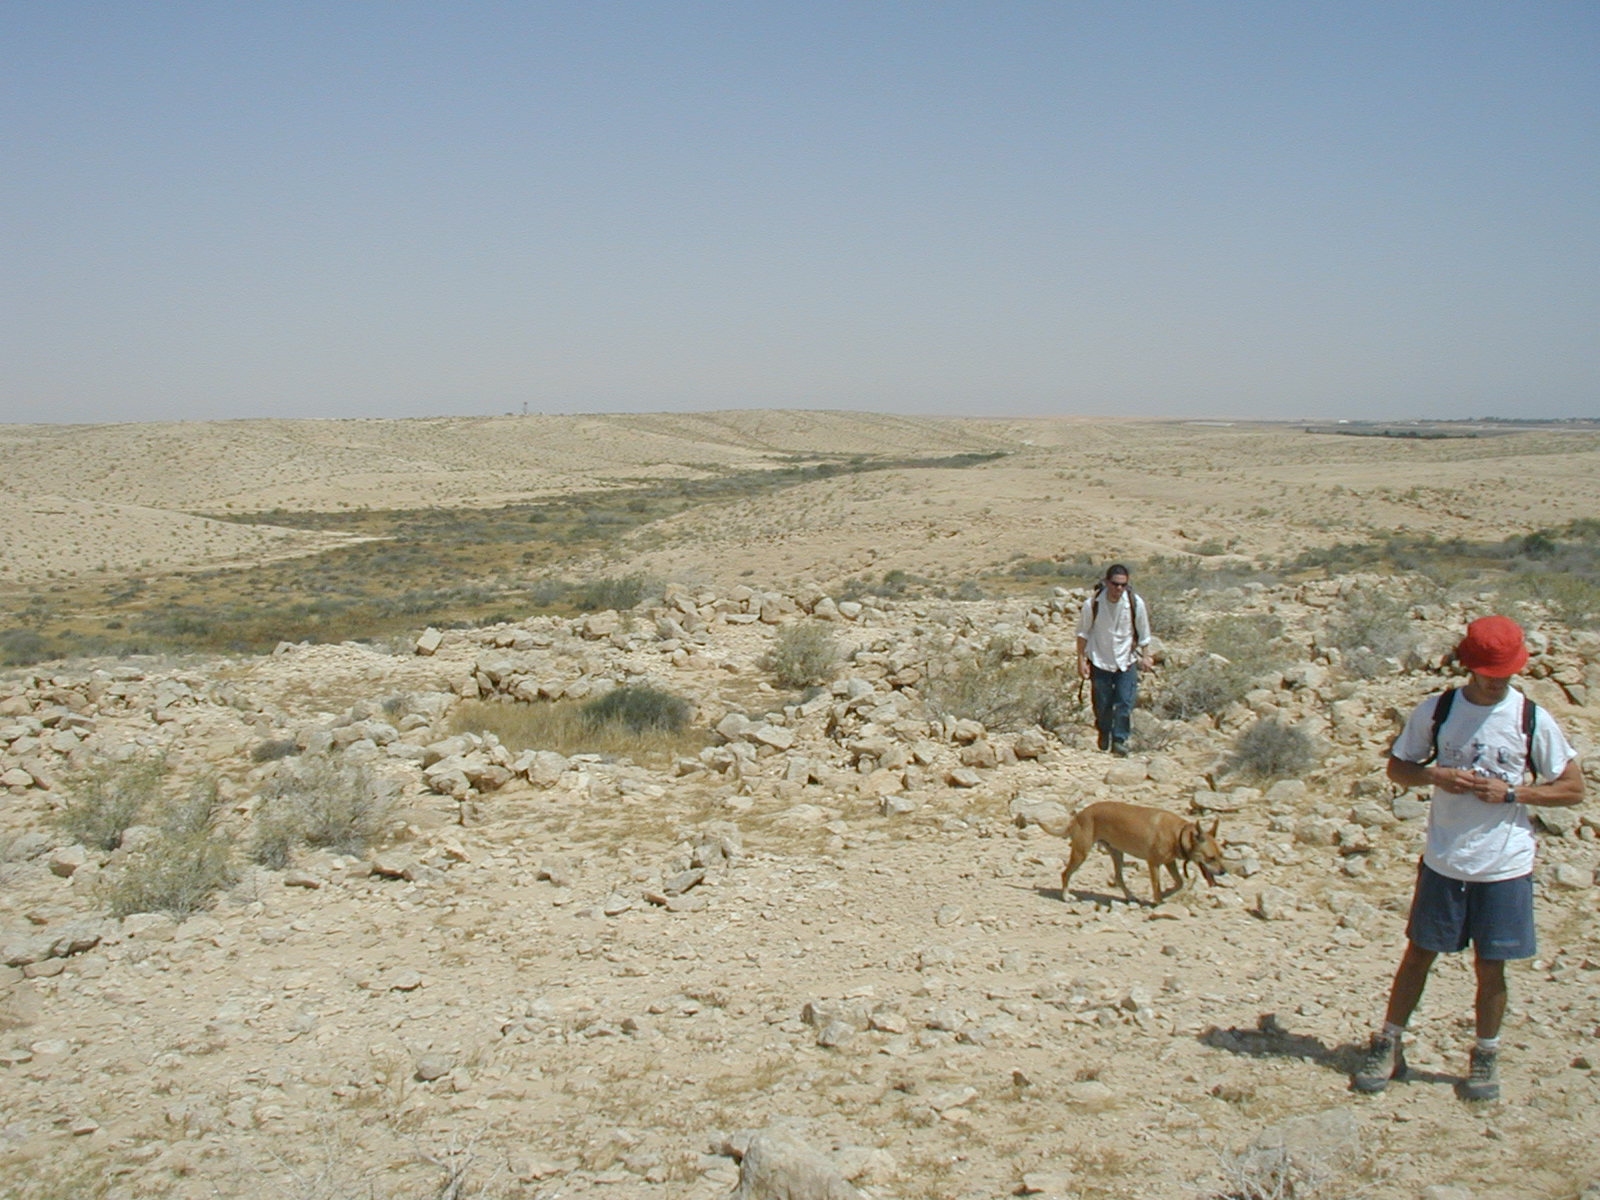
1497,918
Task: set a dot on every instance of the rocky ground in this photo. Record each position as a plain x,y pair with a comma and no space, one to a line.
826,957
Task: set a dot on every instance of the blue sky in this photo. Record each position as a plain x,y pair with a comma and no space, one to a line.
391,209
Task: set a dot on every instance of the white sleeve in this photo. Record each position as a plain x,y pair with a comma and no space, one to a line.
1086,619
1415,742
1551,750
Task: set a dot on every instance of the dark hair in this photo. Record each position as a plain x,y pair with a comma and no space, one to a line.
1116,569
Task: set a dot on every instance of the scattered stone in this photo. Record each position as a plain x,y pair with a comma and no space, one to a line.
1305,1153
1275,904
434,1065
65,861
1572,878
683,881
1125,773
1053,1185
1089,1094
776,1166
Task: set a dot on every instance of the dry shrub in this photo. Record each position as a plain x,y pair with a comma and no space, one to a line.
184,867
273,749
626,728
338,806
1271,749
1207,686
1372,630
640,710
1246,640
107,797
612,592
1005,693
802,655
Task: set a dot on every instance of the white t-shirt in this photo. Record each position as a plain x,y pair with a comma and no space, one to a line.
1113,640
1469,839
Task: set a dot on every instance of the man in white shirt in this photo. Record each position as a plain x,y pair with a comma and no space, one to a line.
1475,880
1113,646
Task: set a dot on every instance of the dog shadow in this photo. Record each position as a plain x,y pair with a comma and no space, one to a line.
1269,1039
1106,899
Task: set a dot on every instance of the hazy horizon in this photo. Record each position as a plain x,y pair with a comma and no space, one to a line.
1239,211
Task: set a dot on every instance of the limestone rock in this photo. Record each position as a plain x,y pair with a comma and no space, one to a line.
776,1166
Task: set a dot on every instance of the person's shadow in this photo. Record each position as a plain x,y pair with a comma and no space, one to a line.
1269,1039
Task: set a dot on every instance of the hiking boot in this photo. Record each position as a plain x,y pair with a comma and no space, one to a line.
1103,741
1120,749
1383,1061
1483,1079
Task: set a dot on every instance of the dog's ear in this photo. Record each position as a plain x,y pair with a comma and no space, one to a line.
1188,838
1214,824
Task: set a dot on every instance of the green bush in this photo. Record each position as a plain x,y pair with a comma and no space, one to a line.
22,647
566,727
1271,749
618,592
548,593
640,710
181,872
107,797
343,807
273,749
802,655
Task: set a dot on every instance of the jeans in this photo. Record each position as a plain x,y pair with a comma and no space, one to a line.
1113,693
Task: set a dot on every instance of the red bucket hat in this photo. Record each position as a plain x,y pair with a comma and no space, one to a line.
1494,647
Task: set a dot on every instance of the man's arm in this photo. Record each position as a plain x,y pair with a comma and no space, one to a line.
1085,628
1416,775
1565,790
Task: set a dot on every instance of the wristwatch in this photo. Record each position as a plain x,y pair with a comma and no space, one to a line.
1511,795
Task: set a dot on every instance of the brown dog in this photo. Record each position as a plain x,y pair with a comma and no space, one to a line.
1161,838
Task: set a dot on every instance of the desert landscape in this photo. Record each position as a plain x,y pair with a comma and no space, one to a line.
810,942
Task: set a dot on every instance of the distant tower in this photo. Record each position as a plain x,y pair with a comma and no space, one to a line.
524,408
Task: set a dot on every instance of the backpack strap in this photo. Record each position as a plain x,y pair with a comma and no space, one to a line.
1441,710
1530,713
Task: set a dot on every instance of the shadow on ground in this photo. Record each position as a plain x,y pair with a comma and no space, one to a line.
1271,1040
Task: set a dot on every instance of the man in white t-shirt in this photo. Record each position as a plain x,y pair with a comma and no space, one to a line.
1475,880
